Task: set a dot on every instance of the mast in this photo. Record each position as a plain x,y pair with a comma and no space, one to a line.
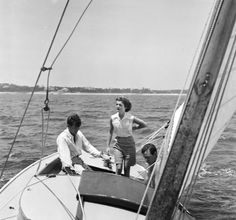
200,92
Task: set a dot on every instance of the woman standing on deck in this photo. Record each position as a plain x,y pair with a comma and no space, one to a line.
122,124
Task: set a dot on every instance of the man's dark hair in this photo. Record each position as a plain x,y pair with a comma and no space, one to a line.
74,119
151,147
126,103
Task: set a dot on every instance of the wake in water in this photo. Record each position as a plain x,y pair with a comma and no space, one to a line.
209,171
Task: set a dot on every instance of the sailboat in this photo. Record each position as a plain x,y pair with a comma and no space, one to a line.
43,191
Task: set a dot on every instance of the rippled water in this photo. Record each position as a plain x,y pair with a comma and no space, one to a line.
214,195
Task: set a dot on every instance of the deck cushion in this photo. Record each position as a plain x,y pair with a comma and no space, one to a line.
114,190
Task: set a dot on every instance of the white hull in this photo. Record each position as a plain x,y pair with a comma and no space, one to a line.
27,196
37,197
11,192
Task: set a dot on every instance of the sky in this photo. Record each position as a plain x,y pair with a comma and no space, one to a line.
117,44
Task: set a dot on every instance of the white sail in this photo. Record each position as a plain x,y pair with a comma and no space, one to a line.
209,105
220,110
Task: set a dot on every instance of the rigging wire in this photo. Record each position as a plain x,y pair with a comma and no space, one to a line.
60,51
17,193
46,108
146,188
192,63
32,93
213,114
44,135
207,132
193,175
72,32
60,201
43,68
176,106
10,217
79,196
62,48
152,137
30,185
190,70
154,165
208,36
168,137
35,183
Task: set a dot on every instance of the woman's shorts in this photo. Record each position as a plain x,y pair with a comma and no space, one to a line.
124,150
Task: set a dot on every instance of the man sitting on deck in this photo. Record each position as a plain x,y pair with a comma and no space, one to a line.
69,145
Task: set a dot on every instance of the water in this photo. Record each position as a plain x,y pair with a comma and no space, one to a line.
214,195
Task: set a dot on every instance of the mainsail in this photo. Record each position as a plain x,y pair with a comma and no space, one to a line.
209,105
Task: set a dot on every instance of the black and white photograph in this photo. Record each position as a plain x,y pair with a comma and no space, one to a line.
117,109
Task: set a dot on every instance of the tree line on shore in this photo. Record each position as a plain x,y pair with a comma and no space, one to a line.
6,87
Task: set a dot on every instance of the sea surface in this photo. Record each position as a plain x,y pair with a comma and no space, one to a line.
214,195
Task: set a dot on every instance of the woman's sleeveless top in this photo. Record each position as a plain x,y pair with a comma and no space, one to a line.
122,127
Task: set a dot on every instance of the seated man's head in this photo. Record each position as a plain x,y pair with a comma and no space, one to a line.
73,123
149,152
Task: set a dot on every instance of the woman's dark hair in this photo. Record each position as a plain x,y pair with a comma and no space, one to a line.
74,119
126,103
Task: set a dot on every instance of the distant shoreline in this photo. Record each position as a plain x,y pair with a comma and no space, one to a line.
5,87
90,93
